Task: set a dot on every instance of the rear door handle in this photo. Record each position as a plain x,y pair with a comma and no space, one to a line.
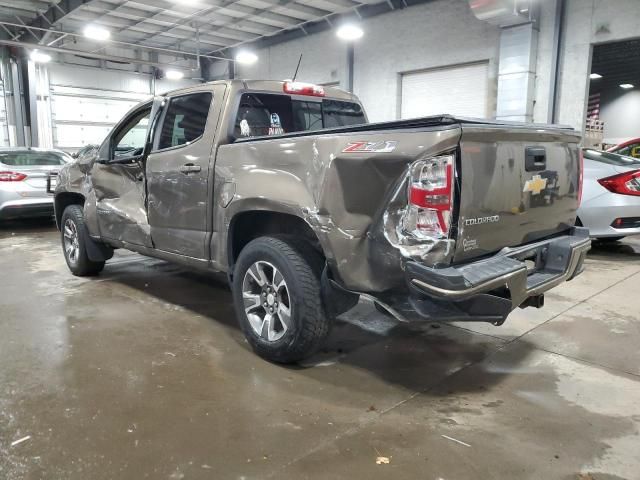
190,168
535,159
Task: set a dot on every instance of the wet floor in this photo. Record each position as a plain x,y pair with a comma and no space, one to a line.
142,373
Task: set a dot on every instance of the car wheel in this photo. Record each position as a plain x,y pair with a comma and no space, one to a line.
276,289
73,235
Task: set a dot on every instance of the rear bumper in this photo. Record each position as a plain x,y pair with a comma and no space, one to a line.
28,207
489,289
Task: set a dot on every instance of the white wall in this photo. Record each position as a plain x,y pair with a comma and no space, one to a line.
324,60
445,32
620,112
436,34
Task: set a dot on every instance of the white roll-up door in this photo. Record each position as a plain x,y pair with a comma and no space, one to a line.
83,116
4,122
458,90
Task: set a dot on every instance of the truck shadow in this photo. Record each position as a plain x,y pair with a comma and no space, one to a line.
412,356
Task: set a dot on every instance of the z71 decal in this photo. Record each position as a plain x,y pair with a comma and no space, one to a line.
385,146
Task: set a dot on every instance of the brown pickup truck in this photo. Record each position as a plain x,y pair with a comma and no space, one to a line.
284,187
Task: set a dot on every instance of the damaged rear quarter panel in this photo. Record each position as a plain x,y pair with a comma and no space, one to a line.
351,200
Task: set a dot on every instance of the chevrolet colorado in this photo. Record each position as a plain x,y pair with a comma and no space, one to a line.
284,187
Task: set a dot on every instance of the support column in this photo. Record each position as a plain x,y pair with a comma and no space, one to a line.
350,63
30,84
517,72
18,104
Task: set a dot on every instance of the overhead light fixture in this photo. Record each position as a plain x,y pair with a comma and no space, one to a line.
246,58
173,74
39,57
95,32
595,76
349,32
626,86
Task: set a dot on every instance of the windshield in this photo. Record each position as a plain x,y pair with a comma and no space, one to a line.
610,158
32,159
272,114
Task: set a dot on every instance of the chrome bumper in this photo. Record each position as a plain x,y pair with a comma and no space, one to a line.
514,274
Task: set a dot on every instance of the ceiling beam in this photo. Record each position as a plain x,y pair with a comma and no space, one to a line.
56,13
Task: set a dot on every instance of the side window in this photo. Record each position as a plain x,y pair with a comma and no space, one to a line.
263,114
130,140
185,119
635,150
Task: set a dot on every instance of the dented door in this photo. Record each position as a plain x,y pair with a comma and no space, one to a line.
119,181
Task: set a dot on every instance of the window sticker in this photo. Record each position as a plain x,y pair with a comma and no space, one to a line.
276,127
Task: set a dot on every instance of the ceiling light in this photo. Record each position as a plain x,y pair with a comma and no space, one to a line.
173,74
39,57
595,76
626,86
96,33
349,32
246,58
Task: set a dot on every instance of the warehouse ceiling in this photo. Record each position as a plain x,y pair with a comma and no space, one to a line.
209,27
617,63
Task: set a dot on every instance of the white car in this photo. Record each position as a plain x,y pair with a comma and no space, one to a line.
23,181
610,205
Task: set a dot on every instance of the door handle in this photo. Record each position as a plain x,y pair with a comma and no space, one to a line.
190,168
535,159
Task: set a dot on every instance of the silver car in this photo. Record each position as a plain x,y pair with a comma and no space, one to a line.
23,181
610,205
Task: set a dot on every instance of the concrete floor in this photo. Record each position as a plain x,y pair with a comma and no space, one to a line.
142,373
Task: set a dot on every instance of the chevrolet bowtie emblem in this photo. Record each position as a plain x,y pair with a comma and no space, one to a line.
535,185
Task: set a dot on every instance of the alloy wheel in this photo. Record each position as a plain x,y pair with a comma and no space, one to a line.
267,303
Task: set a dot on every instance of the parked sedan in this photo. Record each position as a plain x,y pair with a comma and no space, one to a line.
23,181
610,205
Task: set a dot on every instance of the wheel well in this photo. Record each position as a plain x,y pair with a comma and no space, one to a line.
247,226
63,200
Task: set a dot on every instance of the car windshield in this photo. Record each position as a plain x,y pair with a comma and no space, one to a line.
610,158
32,159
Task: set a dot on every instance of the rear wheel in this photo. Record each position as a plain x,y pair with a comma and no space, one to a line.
276,291
73,235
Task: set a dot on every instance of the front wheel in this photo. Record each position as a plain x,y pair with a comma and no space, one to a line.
277,298
74,246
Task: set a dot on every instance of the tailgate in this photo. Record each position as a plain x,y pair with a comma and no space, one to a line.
517,184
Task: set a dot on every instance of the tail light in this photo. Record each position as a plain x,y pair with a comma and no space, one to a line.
301,88
580,178
12,177
430,197
627,183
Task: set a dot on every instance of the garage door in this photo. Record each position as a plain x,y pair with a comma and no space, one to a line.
459,90
83,116
4,123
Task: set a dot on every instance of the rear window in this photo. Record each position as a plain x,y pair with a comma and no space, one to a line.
271,114
610,158
32,159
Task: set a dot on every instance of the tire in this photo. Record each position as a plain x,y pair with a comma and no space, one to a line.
73,237
291,269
